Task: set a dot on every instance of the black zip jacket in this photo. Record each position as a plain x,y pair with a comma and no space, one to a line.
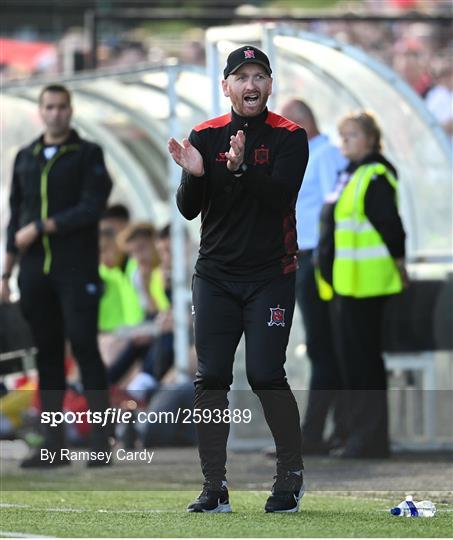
248,224
72,188
380,208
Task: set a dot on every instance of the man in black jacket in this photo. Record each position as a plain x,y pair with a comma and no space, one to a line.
243,171
59,190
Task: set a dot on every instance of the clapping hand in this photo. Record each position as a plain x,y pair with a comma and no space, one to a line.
235,155
186,156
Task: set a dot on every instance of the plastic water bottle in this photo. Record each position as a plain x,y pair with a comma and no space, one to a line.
410,508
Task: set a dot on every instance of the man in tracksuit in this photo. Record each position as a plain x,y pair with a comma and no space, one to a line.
59,190
243,171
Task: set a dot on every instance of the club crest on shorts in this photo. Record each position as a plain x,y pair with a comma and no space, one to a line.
277,317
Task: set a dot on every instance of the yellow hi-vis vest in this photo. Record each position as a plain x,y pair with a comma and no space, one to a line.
119,304
363,266
325,291
156,285
157,290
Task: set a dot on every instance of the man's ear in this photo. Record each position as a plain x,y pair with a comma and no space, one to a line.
270,86
226,92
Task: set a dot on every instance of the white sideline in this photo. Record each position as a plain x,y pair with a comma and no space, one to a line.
149,511
81,510
9,534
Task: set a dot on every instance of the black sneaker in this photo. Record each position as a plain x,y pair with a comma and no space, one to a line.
286,494
35,462
213,498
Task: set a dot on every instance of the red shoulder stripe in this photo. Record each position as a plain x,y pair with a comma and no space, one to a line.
277,121
218,122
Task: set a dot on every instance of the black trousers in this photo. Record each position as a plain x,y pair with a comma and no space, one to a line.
59,308
263,311
357,330
325,381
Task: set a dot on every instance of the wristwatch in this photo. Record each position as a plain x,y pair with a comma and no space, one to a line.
240,170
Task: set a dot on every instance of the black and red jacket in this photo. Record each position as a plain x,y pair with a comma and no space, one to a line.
248,224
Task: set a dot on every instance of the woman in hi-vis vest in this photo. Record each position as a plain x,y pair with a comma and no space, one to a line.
361,255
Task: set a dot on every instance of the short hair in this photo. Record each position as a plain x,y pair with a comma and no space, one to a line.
142,229
116,211
368,123
164,233
303,108
56,88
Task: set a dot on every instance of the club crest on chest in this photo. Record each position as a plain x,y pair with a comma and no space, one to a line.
261,155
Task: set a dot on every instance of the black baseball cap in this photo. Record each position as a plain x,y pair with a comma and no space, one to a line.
245,55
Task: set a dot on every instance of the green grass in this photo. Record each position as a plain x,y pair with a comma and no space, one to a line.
162,514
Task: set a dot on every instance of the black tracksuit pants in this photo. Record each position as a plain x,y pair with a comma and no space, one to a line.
59,308
357,326
263,311
325,390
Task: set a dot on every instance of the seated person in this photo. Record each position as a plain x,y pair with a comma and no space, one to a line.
116,217
119,304
138,241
